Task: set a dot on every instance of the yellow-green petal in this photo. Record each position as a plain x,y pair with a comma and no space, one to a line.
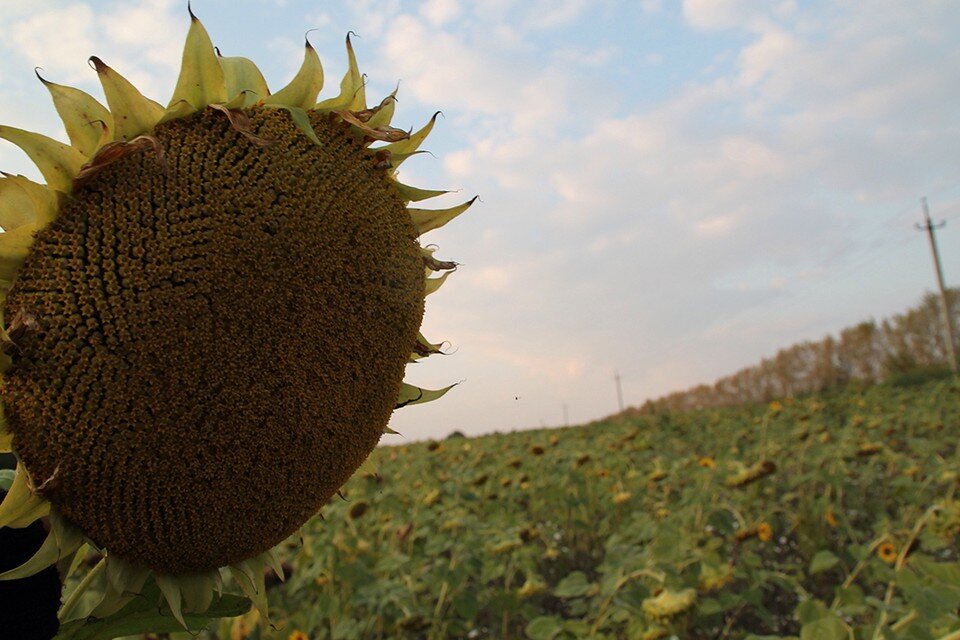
359,102
272,559
429,219
352,93
201,80
242,75
171,593
424,349
69,536
83,116
384,112
410,394
427,346
124,582
303,90
14,247
16,206
46,555
46,201
430,285
414,194
58,162
21,506
405,148
133,114
249,575
197,590
176,111
242,100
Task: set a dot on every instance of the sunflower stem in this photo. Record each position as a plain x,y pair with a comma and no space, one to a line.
71,603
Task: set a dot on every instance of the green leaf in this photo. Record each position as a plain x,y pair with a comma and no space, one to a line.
828,628
930,602
811,610
574,585
709,607
823,561
543,628
144,615
946,572
850,600
466,605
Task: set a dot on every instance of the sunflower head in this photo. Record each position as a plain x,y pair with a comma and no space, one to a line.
207,312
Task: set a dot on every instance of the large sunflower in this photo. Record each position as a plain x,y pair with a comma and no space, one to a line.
208,311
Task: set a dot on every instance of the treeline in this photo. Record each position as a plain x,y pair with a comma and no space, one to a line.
908,344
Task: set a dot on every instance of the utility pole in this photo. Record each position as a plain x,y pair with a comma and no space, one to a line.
616,377
929,227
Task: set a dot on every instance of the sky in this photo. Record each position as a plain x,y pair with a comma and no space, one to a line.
670,190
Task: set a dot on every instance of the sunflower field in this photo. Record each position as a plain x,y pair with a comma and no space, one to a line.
828,517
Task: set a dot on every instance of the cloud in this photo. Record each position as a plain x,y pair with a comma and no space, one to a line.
142,42
440,68
550,14
59,39
729,14
440,12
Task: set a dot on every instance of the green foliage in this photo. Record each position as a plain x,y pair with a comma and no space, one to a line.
144,614
632,528
914,375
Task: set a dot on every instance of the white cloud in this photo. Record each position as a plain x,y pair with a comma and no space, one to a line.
496,279
439,67
440,12
716,225
767,55
651,6
718,14
60,40
374,17
550,14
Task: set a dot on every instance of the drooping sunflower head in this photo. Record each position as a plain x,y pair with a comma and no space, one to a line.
208,310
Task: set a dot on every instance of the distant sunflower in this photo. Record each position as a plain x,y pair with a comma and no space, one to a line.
831,518
208,311
764,532
887,552
669,603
